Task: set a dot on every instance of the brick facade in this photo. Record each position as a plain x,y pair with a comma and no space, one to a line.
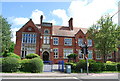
46,51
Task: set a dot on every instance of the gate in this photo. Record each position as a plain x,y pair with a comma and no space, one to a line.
61,66
48,66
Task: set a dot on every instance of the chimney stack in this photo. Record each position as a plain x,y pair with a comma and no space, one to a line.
41,18
71,23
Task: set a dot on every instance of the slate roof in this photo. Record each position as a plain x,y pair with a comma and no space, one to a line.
64,31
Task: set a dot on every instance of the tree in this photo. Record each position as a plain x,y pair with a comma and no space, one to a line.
105,35
72,57
5,34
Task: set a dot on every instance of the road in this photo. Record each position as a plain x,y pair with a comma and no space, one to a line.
60,80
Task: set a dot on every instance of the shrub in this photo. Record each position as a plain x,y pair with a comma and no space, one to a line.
34,65
10,64
118,66
111,67
96,66
14,56
1,64
81,64
11,55
25,65
91,61
32,55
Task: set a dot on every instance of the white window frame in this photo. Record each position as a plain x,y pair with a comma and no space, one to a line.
56,53
89,41
29,38
46,30
80,41
98,56
68,41
90,52
66,52
110,56
46,40
55,42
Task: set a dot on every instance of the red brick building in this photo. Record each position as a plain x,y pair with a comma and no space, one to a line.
53,43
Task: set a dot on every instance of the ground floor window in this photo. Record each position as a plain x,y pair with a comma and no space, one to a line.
109,56
27,49
81,56
90,54
98,56
67,52
55,50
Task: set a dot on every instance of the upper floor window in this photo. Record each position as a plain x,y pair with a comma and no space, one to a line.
46,40
67,52
29,38
80,42
55,50
68,41
89,41
46,31
90,54
55,41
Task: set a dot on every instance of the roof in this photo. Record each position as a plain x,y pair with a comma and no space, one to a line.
64,31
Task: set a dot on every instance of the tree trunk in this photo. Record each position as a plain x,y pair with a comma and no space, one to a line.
104,58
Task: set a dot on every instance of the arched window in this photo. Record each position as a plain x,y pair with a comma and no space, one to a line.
46,31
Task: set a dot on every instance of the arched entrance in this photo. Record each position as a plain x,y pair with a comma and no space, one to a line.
45,56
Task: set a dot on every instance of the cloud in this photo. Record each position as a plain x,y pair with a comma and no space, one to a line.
85,15
52,21
20,21
14,33
61,13
36,16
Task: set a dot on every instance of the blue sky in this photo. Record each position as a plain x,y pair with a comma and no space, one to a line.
84,12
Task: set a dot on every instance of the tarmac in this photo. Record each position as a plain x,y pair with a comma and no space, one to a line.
59,75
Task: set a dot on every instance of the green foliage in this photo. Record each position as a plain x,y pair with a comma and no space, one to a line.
32,55
5,36
118,66
34,65
110,67
11,55
91,61
1,64
25,65
10,64
72,57
81,65
105,35
96,67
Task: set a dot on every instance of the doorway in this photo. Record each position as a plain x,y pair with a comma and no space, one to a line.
45,56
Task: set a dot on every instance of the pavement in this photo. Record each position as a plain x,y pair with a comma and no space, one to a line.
59,75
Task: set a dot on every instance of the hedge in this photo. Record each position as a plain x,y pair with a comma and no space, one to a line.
118,66
34,65
110,67
10,64
32,55
11,55
96,67
81,65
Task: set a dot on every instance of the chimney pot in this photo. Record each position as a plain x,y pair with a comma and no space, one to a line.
71,23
